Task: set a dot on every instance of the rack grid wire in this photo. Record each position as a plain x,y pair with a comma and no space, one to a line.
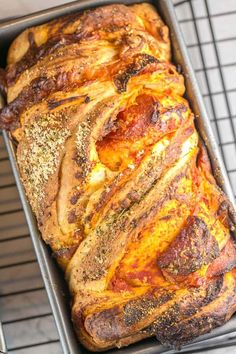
209,31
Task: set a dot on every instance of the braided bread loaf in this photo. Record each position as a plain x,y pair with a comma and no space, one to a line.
118,179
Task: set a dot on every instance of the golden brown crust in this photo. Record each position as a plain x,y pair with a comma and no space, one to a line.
118,179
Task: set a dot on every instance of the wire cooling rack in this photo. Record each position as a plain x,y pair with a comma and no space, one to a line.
209,29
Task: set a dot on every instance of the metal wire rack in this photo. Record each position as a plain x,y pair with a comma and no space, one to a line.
210,33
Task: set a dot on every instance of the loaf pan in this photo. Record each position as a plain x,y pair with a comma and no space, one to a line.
53,278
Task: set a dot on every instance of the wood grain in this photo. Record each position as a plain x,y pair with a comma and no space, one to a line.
24,308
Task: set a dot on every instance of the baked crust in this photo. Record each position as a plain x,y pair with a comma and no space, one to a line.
118,178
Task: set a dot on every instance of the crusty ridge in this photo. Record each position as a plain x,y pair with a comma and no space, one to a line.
118,178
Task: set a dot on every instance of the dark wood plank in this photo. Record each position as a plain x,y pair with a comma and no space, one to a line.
9,199
51,348
20,278
6,176
18,251
12,225
24,305
30,332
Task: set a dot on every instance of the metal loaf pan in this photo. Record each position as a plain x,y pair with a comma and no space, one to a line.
52,276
